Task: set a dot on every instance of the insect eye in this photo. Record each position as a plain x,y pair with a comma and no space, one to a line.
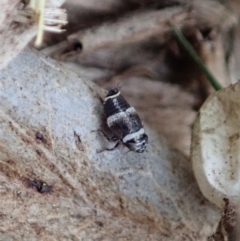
113,92
145,137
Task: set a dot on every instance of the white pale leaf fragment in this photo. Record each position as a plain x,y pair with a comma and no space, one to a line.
216,146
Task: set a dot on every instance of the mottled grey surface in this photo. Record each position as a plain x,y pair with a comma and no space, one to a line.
47,118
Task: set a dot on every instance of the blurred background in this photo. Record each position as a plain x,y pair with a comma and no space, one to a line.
131,43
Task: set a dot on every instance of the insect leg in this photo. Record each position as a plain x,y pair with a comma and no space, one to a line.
113,138
110,149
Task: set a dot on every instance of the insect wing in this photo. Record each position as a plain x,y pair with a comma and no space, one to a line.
129,124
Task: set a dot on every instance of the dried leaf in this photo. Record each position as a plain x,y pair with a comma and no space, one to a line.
215,146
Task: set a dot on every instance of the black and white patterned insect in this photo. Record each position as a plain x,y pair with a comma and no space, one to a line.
124,121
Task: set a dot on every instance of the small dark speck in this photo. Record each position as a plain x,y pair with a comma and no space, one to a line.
39,136
99,223
39,152
40,186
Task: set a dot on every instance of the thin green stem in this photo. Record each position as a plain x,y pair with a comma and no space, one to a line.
188,47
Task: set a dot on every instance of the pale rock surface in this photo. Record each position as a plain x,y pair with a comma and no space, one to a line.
47,118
